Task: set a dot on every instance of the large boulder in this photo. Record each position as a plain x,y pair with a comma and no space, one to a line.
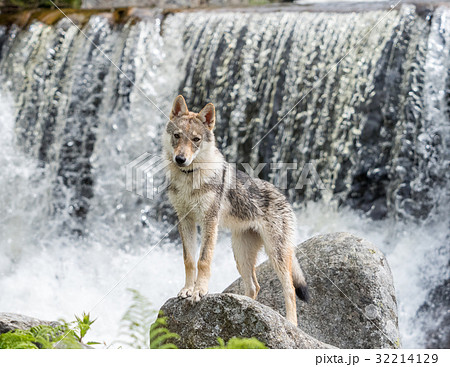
352,303
12,321
225,316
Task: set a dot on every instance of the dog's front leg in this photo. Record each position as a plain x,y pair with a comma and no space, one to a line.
209,238
188,233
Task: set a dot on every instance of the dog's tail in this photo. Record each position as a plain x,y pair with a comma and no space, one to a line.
298,278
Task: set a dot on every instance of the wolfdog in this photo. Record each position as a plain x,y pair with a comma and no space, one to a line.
205,191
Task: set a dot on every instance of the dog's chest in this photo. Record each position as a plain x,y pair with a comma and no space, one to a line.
191,201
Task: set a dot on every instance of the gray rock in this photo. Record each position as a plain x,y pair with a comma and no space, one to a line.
12,321
226,315
353,302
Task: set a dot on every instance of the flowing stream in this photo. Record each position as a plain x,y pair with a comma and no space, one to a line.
72,116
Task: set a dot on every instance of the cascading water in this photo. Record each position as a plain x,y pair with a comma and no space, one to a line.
376,127
363,123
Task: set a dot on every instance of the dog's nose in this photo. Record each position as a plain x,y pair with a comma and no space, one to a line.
180,159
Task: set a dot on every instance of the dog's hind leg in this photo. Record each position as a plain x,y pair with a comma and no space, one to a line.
246,245
280,252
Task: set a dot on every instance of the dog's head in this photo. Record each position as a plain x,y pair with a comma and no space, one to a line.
188,135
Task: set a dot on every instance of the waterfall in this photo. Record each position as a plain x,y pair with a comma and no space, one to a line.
368,108
361,122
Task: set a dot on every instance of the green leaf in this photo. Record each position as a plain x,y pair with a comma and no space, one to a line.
39,337
136,322
83,325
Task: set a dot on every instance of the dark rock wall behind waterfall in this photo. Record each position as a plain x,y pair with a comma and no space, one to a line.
362,122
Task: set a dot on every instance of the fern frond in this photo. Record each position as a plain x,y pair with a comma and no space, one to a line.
17,339
159,334
167,346
39,337
160,340
136,322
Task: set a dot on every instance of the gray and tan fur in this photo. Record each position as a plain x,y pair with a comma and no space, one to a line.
204,190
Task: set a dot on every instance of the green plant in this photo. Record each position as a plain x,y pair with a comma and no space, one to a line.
49,337
136,321
83,325
240,343
159,334
137,330
39,337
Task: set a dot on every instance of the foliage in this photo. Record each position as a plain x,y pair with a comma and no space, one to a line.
49,337
83,324
240,343
136,322
137,329
39,337
159,334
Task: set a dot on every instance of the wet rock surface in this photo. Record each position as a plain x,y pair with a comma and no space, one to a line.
12,321
353,302
226,316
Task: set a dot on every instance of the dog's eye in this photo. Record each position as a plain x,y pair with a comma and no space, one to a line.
196,140
176,136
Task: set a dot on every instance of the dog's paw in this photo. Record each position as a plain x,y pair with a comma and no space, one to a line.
186,292
198,294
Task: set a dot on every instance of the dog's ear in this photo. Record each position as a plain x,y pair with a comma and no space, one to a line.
208,116
179,107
